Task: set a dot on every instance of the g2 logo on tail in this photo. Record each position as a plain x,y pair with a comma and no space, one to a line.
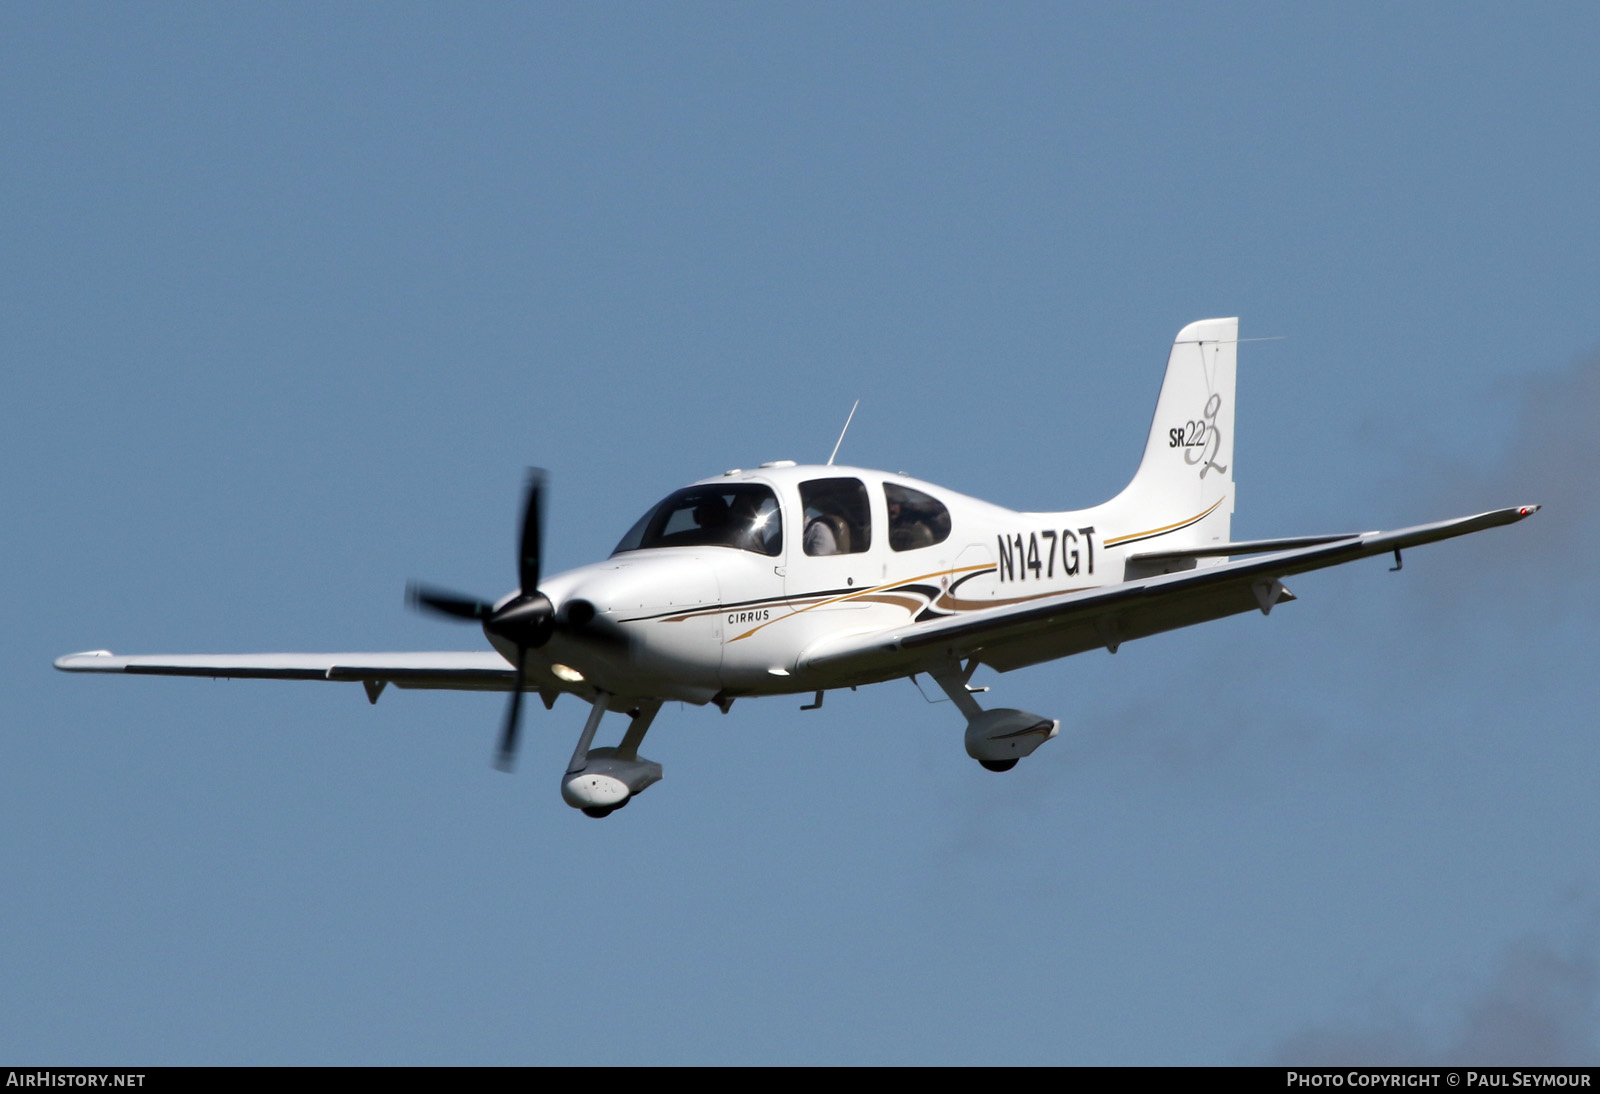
1201,440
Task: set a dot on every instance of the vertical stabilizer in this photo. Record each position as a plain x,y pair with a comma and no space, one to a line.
1182,495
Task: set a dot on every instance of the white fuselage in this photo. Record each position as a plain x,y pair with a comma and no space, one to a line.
717,620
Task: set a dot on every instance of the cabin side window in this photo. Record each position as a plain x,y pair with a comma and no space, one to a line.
838,519
915,519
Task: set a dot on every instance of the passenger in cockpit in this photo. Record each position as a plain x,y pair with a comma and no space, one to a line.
836,516
827,534
908,529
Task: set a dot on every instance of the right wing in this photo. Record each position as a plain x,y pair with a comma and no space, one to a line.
1015,635
473,670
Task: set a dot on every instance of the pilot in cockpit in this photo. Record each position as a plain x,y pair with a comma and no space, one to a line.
711,516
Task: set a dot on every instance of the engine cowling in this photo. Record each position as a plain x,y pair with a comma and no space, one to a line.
998,738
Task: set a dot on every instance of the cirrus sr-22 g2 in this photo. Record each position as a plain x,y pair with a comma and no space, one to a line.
789,579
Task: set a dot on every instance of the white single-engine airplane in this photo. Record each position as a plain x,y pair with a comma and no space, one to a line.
789,579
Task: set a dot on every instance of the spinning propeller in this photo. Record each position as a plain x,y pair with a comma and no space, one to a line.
527,620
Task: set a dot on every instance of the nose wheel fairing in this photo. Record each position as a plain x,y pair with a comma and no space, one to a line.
600,780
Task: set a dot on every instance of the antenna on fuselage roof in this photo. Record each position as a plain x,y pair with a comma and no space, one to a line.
842,432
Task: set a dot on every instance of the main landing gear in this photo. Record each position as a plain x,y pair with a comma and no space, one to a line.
997,738
600,781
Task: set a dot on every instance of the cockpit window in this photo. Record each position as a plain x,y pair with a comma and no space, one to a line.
915,519
742,515
837,518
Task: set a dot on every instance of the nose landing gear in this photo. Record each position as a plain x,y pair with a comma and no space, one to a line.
599,781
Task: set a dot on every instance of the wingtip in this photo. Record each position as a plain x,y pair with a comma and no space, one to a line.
80,662
1524,511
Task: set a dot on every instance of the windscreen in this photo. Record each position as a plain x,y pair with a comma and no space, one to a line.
744,516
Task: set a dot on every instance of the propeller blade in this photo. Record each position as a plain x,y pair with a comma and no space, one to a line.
444,602
508,735
526,620
530,546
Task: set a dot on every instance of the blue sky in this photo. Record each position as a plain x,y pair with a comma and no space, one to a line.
292,295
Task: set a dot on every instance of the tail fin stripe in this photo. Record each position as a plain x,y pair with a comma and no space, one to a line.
1135,537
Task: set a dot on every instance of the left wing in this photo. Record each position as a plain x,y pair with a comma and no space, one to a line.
1012,636
473,670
